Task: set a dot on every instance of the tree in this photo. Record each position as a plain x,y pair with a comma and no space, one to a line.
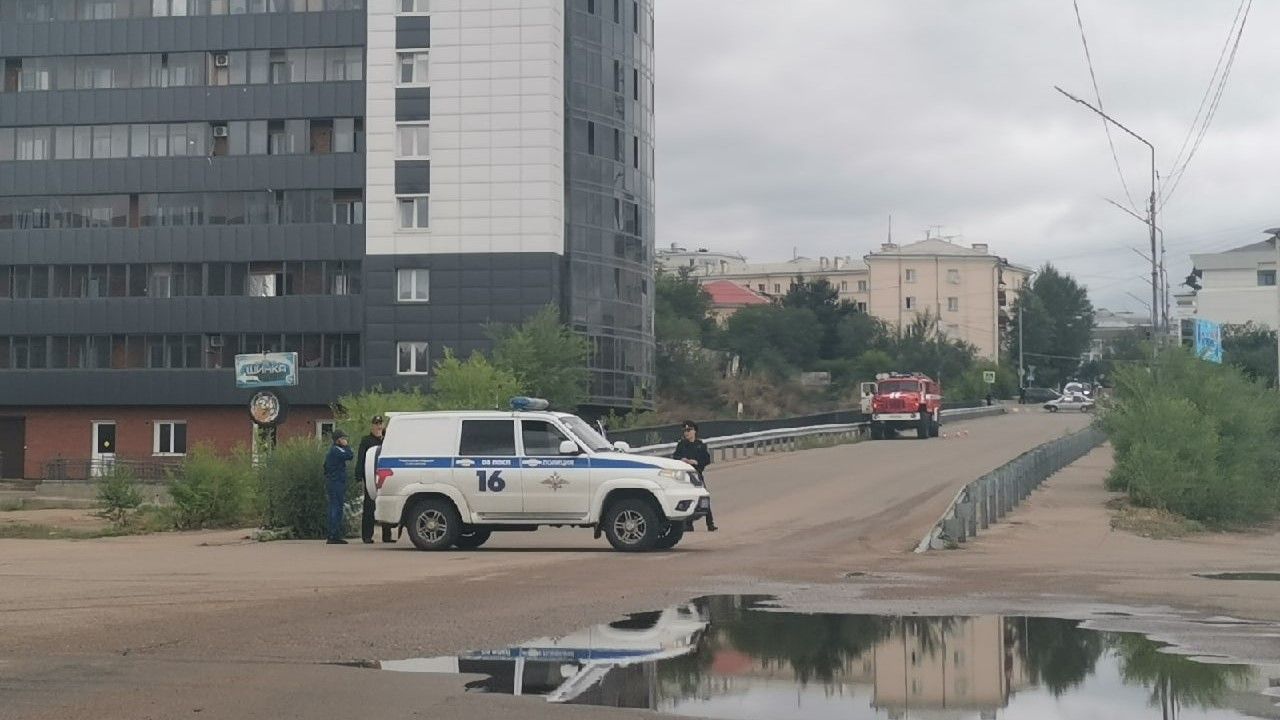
858,333
822,299
354,411
475,384
775,339
924,347
548,359
1252,349
1058,320
683,329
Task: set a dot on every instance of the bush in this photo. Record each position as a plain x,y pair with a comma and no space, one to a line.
118,496
1197,439
211,490
293,488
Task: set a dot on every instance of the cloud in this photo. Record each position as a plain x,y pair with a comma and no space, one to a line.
805,124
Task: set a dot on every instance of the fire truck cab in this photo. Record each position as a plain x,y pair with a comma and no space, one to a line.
905,401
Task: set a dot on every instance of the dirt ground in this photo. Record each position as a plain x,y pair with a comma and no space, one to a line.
166,626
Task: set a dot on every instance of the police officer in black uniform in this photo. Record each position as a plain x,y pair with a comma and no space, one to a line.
693,451
367,443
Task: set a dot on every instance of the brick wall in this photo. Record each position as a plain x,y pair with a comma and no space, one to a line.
68,431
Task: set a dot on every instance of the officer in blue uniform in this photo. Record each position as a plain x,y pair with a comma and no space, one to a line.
335,480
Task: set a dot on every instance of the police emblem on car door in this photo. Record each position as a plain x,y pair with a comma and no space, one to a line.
555,484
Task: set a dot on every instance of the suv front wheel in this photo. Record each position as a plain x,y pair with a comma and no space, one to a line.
433,524
633,526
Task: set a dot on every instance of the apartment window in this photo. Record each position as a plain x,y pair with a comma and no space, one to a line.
617,76
412,358
619,153
413,284
911,303
761,287
414,6
635,84
862,307
953,276
591,138
862,286
1267,277
170,437
324,429
635,152
591,6
953,304
413,141
413,212
617,11
844,286
777,288
910,275
412,68
635,17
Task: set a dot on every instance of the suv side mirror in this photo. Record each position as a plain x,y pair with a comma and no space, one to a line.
622,447
568,447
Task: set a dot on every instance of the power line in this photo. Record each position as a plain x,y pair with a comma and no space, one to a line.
1097,94
1208,91
1213,106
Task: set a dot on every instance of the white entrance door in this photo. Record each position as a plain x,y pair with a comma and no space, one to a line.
104,448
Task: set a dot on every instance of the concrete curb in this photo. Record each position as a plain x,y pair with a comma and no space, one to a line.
984,501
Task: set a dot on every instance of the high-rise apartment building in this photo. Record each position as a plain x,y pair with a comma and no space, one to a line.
363,182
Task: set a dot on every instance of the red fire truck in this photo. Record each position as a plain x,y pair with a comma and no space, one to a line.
903,401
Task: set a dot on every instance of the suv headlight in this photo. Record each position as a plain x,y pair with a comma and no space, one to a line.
676,475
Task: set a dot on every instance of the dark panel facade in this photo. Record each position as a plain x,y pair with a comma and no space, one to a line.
466,292
609,183
330,320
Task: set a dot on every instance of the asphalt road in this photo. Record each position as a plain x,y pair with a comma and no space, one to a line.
207,625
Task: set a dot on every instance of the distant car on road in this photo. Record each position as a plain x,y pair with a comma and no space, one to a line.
1041,395
1070,402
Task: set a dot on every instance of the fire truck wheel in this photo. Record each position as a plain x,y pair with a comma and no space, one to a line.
935,429
877,432
924,428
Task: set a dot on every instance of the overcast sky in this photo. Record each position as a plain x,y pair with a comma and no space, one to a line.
805,123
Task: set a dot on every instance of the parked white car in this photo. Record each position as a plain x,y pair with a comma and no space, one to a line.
451,479
1070,402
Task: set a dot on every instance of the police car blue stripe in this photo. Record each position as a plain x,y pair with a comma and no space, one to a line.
481,462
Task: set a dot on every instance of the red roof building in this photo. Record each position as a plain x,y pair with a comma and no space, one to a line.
728,297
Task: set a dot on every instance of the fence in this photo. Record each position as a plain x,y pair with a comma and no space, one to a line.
68,470
742,445
660,434
984,501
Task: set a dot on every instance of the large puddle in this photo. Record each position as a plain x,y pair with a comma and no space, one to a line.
735,657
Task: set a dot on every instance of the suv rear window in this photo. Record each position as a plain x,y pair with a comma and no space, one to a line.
488,438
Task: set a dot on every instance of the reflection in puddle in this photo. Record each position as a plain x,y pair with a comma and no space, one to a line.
730,657
1275,577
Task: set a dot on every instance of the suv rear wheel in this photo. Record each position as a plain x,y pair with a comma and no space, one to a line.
632,526
433,524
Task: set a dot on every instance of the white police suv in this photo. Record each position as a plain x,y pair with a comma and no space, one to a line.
451,479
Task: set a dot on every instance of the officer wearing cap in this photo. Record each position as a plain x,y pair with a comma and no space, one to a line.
367,443
694,452
335,481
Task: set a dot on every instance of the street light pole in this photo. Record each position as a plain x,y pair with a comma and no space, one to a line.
1151,211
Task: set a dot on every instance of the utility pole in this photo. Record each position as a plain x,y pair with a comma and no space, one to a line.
1151,210
1022,301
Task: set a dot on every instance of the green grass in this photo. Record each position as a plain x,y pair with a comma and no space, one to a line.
12,504
32,531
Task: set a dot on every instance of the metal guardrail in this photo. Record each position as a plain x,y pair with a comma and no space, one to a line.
661,434
984,501
731,447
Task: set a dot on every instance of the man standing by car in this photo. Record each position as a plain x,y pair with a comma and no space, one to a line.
693,451
367,443
335,481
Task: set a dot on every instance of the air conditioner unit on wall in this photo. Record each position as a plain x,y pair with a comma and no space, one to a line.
221,60
215,341
219,131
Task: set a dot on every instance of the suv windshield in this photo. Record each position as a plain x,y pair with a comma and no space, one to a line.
586,434
890,386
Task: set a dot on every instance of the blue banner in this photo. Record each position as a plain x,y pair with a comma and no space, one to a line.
1208,340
